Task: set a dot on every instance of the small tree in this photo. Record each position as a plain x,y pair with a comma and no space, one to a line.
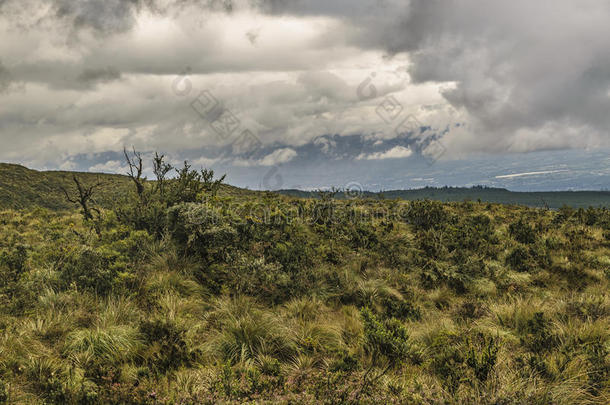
522,232
211,186
189,184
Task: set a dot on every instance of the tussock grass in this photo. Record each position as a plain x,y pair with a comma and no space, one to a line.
113,344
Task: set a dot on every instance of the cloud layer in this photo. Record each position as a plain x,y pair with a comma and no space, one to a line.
82,77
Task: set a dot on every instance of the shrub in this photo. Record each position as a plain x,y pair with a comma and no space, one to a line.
436,274
167,347
3,393
385,339
519,259
295,254
363,236
537,335
93,270
201,231
482,362
12,267
400,309
447,360
474,233
522,232
257,278
427,214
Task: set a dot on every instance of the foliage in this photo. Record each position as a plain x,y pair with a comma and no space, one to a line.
195,292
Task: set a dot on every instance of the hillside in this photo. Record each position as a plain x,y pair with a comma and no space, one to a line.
164,299
21,187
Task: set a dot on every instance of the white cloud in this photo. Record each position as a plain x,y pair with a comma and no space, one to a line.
276,157
111,166
396,152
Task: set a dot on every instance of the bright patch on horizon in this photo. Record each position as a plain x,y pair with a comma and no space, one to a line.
510,176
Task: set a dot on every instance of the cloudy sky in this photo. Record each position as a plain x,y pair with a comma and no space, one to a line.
309,93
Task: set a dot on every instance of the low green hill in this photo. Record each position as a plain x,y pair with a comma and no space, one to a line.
21,187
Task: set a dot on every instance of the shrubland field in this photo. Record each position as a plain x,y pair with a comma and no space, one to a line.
186,291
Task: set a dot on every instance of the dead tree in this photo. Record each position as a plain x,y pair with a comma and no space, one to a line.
84,198
135,171
161,169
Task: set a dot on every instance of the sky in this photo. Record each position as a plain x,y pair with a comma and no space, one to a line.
379,94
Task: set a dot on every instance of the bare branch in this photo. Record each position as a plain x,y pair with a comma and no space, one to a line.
135,170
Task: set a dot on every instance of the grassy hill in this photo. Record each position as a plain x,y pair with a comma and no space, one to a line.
21,187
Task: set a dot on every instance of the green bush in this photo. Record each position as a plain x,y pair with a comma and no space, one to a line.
202,231
483,361
519,259
537,336
427,214
255,277
93,270
385,339
167,346
522,232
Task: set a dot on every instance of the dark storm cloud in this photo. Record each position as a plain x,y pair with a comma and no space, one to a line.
5,78
104,16
516,65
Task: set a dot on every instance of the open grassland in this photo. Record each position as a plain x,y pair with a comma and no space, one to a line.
165,299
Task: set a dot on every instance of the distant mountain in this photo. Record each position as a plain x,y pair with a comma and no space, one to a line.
550,199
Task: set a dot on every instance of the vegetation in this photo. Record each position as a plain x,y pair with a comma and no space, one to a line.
187,291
